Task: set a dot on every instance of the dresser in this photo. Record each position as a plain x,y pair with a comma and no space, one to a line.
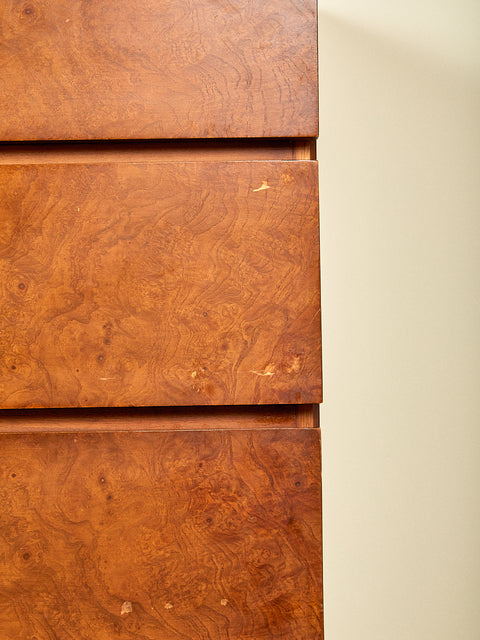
160,361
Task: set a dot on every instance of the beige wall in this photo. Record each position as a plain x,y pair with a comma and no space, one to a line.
399,155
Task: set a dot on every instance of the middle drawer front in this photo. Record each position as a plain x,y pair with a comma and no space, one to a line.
186,283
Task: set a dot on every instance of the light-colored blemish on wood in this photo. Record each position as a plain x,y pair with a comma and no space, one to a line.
107,378
169,605
194,374
287,178
126,608
223,602
295,365
264,186
268,371
245,314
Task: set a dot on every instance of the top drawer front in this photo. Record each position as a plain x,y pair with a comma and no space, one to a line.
157,69
175,283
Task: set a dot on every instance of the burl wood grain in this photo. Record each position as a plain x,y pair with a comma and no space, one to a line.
157,69
161,536
159,284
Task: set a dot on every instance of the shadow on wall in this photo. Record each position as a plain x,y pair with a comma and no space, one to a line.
439,34
399,154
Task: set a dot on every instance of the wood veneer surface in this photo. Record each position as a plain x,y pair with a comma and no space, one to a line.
159,284
157,69
208,535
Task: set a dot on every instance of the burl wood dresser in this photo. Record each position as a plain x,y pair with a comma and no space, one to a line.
160,361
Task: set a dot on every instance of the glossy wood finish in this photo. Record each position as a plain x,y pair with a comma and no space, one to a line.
141,265
157,69
208,535
159,284
155,418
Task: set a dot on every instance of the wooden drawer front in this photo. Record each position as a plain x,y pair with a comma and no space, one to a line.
157,69
159,284
194,535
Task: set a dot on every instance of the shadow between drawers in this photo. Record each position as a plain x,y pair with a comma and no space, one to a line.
158,418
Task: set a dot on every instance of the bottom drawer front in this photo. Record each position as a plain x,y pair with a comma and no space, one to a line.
162,535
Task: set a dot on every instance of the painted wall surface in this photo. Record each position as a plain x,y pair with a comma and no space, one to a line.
399,155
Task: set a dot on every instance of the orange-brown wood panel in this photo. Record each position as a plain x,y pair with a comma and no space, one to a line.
157,69
207,535
159,284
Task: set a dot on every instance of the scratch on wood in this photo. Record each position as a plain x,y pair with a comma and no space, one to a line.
264,186
268,371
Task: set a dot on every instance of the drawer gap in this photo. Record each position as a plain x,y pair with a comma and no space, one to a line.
158,418
157,150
